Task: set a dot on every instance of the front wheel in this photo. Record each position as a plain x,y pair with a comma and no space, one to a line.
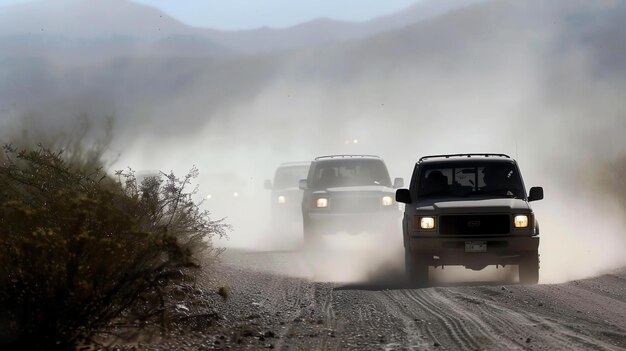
416,268
529,268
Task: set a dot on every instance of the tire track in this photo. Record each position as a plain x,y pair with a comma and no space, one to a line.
301,293
556,334
472,329
512,321
329,318
453,327
411,327
486,325
487,332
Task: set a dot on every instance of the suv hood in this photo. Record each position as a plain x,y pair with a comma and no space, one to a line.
473,206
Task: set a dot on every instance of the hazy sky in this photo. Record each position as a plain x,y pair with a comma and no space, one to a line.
245,14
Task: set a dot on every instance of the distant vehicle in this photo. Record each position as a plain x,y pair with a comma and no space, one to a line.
470,210
224,190
286,196
350,193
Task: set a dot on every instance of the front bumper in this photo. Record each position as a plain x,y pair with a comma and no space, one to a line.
330,223
451,251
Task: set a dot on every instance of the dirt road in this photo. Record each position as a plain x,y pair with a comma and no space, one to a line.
268,308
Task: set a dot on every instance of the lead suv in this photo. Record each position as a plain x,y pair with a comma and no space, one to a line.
350,193
470,210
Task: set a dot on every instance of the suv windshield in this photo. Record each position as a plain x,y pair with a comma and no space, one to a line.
349,172
470,179
288,177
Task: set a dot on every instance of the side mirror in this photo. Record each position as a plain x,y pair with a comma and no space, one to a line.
398,183
302,184
536,193
267,184
403,195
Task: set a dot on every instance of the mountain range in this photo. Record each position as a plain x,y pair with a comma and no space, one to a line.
125,27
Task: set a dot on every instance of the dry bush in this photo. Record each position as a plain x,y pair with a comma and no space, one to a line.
80,249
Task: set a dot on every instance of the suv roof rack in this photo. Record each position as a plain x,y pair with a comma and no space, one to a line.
345,156
463,155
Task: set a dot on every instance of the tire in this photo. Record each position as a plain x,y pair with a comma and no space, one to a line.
529,268
416,268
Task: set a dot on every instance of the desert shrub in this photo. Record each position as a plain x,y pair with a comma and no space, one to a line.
80,249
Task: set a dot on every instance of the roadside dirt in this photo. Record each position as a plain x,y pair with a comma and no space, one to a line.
269,306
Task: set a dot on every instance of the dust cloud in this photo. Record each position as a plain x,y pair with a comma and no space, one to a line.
582,231
404,117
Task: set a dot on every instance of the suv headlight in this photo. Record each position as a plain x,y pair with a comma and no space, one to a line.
425,223
321,202
281,199
520,221
386,201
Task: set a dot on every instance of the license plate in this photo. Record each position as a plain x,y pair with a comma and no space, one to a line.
475,246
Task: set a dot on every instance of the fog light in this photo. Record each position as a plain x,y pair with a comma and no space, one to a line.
520,221
282,199
322,202
427,222
387,201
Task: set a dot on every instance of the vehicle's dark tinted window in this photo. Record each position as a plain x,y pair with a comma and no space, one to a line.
349,172
288,177
464,179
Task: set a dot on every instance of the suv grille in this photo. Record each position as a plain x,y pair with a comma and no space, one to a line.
355,204
474,224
